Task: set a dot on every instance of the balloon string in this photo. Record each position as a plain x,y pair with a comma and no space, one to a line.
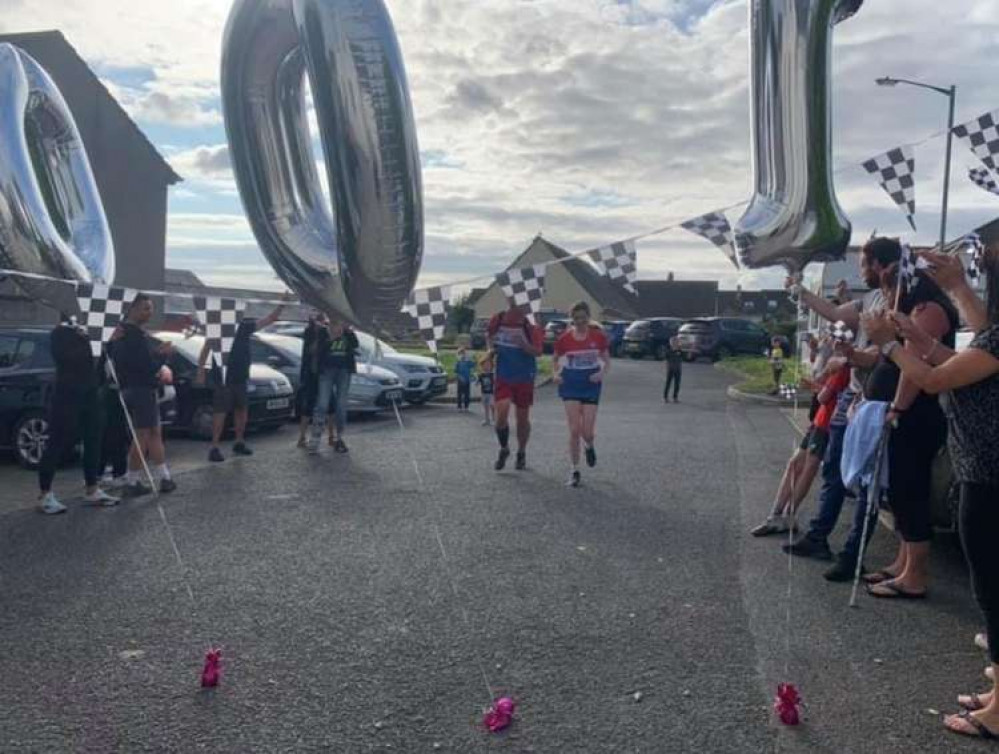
445,559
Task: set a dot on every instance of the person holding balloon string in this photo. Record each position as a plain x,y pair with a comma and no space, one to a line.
582,359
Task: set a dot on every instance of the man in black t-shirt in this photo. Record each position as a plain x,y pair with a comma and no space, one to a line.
232,396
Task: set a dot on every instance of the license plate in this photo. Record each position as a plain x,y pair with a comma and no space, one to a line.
439,382
393,396
276,403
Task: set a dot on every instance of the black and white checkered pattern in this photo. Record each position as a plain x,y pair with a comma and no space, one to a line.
619,262
714,227
983,179
840,332
982,135
895,171
429,307
788,392
220,318
976,250
101,309
524,287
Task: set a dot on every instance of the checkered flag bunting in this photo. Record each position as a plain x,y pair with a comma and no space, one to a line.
714,227
895,171
429,307
619,262
976,249
524,287
101,309
220,318
788,392
982,135
983,179
840,332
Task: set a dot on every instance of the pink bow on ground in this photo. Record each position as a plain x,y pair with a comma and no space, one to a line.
212,672
786,704
500,715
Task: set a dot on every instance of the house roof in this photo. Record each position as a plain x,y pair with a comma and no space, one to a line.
755,303
62,61
676,298
613,298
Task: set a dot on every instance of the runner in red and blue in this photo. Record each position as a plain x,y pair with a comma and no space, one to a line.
582,358
517,343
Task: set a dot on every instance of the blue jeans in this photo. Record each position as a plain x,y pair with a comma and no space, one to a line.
331,382
833,492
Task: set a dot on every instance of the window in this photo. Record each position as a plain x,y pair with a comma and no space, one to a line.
259,353
15,351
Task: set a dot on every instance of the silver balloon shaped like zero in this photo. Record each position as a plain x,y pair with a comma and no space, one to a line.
52,220
361,261
793,217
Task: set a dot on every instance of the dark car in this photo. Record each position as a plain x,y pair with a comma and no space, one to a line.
720,337
615,330
271,397
27,376
477,333
650,337
553,331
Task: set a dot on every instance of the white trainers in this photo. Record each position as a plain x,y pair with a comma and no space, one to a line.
51,504
100,498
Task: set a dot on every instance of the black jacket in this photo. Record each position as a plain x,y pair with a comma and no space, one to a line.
322,349
74,361
134,357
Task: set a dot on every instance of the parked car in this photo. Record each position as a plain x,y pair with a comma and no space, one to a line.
27,376
650,337
720,337
477,333
553,331
615,330
422,378
271,397
286,327
371,389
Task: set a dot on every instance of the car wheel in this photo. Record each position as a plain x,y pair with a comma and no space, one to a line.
31,434
201,422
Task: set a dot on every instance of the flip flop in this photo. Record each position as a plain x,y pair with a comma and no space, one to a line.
895,592
971,702
878,577
980,730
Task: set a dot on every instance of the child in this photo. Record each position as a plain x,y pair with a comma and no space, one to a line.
486,377
776,356
464,368
674,370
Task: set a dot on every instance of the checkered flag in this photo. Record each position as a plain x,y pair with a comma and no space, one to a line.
220,318
619,262
788,392
714,227
983,179
895,170
101,309
524,287
973,243
429,307
982,135
840,332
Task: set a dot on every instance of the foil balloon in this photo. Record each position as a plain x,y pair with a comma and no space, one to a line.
793,217
52,220
360,260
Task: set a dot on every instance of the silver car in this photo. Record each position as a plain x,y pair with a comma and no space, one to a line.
371,389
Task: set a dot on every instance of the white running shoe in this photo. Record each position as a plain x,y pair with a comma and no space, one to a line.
574,479
51,504
101,499
982,642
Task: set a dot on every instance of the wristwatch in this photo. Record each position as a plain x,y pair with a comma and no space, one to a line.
888,348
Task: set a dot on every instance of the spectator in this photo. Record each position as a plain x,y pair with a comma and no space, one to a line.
308,384
117,438
229,393
336,354
674,370
486,386
776,357
972,380
75,410
137,362
464,370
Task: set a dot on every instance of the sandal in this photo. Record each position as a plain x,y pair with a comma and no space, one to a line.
878,577
980,730
971,702
895,592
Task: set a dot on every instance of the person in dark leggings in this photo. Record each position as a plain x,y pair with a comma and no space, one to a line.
971,377
117,440
674,370
75,412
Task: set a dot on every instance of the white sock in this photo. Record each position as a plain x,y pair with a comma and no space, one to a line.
132,476
161,471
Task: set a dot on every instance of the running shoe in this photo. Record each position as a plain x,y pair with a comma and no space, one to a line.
167,485
591,456
521,460
574,478
773,525
51,505
215,455
340,447
136,489
102,499
242,449
504,454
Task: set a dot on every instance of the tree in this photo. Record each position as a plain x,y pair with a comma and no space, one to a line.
461,317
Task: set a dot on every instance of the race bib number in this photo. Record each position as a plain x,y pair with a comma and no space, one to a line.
582,360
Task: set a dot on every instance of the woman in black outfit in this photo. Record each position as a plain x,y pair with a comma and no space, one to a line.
920,430
972,380
308,382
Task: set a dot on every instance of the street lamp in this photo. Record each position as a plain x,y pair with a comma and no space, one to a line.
951,93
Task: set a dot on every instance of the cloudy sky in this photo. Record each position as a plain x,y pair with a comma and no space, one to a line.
585,120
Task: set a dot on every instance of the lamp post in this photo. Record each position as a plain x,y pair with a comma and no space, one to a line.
951,93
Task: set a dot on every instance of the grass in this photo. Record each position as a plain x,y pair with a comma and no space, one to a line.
756,371
447,359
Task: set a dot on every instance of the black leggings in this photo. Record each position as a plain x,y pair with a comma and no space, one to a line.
911,450
72,415
464,394
117,440
672,379
979,526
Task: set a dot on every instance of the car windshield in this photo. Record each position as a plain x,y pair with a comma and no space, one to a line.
189,348
696,327
366,345
638,328
290,348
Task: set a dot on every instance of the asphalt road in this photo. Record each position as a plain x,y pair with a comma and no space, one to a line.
363,606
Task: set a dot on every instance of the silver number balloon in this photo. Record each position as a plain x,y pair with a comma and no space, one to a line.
794,217
361,261
51,217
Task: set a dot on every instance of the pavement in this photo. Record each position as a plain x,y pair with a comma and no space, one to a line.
376,602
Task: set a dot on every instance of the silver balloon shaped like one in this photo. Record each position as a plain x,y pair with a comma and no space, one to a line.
793,217
361,261
52,220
